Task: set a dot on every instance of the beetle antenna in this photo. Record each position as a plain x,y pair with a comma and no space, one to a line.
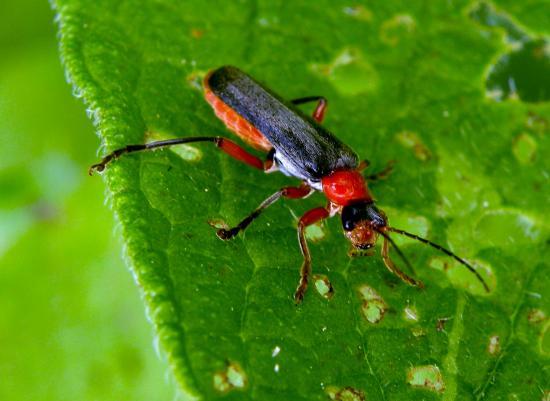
440,248
401,254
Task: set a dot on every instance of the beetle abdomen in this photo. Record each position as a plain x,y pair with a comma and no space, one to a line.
235,122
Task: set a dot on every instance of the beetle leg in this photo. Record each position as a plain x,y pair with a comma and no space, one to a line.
287,192
310,217
394,269
226,145
320,109
380,175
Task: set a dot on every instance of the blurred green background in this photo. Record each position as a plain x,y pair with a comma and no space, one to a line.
71,323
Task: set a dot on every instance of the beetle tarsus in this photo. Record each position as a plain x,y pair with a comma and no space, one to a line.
225,234
99,167
301,290
383,174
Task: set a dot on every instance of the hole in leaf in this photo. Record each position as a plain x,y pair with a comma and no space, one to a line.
233,377
485,14
373,307
522,74
494,345
536,316
345,394
428,377
323,286
315,232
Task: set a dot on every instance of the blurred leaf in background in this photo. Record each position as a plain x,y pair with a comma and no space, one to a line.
71,323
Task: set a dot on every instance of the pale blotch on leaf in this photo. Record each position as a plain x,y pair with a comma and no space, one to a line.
506,227
524,148
407,221
494,345
373,307
428,377
461,277
536,316
323,286
412,141
344,394
410,314
350,73
231,378
187,152
546,395
399,27
359,12
315,232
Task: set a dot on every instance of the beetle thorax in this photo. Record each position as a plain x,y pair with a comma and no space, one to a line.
345,187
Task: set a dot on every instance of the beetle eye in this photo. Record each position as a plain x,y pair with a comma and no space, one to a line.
352,214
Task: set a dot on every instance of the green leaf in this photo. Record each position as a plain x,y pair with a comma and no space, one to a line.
405,81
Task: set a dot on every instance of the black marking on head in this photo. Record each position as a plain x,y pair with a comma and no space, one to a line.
362,211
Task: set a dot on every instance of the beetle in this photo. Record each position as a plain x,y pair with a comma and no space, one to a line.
298,146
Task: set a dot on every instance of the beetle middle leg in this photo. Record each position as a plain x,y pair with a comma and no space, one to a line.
322,104
287,192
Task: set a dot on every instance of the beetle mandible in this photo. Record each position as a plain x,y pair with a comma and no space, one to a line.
298,146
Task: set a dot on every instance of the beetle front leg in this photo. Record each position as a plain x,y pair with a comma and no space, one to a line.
320,109
309,218
380,175
287,192
394,269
